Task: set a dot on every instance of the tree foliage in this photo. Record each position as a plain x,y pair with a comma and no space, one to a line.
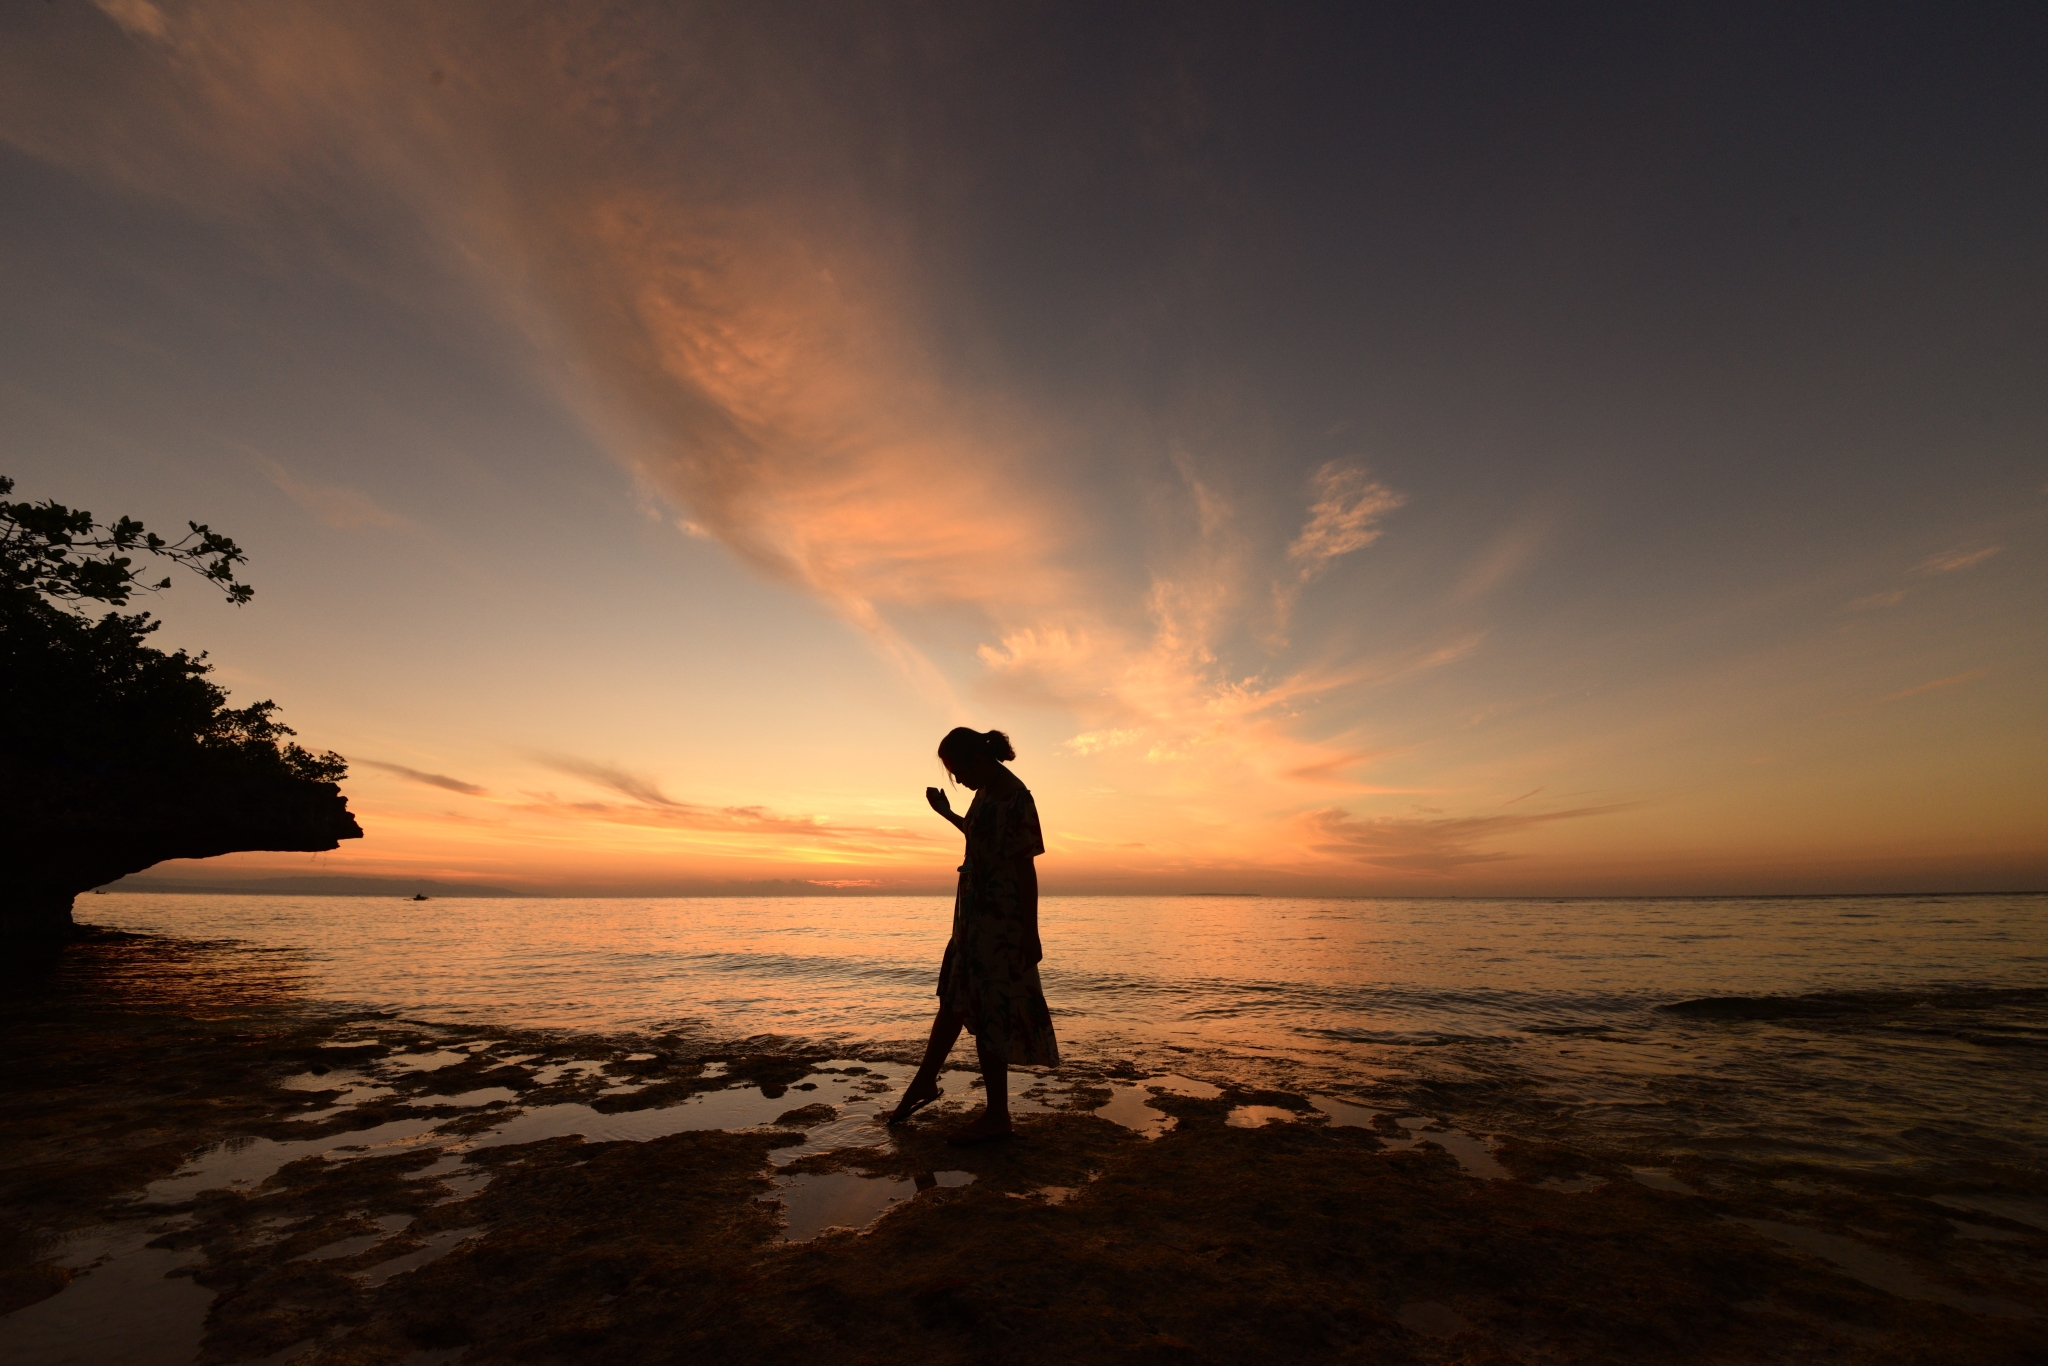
80,694
48,548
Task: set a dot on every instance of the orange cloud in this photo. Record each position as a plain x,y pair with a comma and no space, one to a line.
662,216
343,509
1948,562
1951,681
1427,844
1345,517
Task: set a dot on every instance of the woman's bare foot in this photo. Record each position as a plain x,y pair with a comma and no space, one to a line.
983,1128
920,1093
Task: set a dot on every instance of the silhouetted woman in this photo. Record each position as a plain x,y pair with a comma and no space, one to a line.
989,981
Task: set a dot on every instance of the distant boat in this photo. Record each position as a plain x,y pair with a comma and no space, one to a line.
421,896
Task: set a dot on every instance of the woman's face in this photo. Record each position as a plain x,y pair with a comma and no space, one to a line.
971,770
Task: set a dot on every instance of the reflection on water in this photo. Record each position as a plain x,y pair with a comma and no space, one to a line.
1879,1271
1886,1030
431,1247
1259,1116
129,1301
125,1306
1131,1106
1473,1155
244,1163
361,1242
812,1203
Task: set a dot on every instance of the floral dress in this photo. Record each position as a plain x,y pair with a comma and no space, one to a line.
990,976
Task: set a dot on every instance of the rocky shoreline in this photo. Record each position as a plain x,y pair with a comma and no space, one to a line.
328,1187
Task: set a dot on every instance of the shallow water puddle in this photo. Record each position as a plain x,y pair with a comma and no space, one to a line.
1474,1156
246,1162
1130,1104
1259,1116
353,1087
453,1171
436,1245
126,1311
854,1128
483,1095
734,1108
813,1203
333,1079
361,1242
1345,1115
424,1062
1880,1271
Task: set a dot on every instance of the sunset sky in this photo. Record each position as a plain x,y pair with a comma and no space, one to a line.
1443,451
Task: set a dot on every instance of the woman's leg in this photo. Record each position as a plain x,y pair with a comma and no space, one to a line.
925,1085
995,1079
994,1120
945,1029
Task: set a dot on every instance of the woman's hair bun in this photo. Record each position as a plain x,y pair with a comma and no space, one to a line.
961,742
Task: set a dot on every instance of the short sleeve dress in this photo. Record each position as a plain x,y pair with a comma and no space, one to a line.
990,976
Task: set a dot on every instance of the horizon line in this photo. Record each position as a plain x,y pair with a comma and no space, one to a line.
482,892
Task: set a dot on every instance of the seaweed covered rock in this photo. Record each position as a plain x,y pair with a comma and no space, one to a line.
115,755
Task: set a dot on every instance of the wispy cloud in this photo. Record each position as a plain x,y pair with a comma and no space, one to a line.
1877,600
1346,515
138,17
651,807
608,776
759,348
1949,561
1951,681
439,780
1510,553
753,824
1427,844
341,508
1330,770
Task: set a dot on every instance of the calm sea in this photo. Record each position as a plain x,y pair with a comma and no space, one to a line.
1860,1030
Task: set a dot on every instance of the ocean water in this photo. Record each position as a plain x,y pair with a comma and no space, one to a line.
1909,1032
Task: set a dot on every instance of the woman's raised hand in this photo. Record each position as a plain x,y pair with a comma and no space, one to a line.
937,797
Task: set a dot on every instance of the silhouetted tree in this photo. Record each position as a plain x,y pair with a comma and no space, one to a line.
87,691
110,749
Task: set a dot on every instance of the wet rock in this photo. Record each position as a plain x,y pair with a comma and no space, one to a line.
806,1115
1299,1241
65,832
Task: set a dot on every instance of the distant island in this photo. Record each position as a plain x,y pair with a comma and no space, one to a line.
333,885
343,884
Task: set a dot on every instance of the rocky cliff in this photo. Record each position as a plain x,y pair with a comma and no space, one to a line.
62,834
